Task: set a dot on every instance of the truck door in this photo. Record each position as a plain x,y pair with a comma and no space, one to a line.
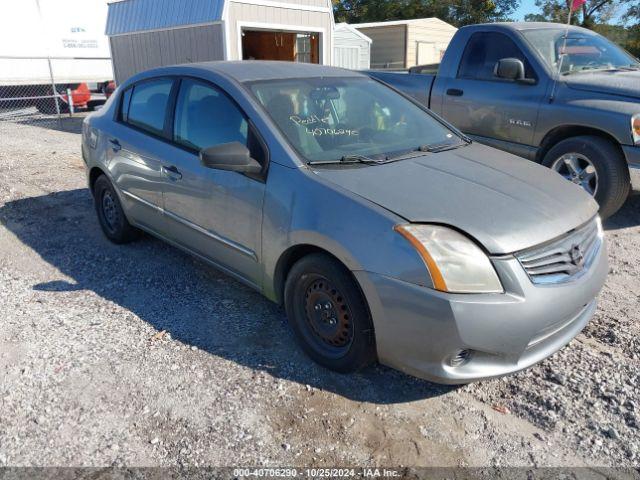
498,112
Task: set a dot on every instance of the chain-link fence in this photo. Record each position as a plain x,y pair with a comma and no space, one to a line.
41,99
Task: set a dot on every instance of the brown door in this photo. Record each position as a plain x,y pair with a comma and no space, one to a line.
285,46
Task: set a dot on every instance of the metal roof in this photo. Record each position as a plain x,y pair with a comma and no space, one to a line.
414,21
355,31
129,16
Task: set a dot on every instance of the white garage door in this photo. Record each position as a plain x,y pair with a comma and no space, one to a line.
347,57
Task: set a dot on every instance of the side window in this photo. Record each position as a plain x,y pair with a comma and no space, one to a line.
124,106
148,105
483,52
206,117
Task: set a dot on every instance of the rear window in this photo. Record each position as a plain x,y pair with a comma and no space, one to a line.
147,106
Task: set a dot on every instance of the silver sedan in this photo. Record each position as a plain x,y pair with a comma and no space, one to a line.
386,234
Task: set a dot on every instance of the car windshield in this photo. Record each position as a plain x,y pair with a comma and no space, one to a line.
582,51
329,119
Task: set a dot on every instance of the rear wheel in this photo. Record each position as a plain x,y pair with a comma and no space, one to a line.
328,314
595,164
112,219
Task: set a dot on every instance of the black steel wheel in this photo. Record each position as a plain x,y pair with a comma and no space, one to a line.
112,219
328,314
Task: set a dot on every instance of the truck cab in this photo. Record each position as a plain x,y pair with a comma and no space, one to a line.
562,96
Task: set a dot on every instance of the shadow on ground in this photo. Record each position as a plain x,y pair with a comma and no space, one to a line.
627,216
174,292
66,123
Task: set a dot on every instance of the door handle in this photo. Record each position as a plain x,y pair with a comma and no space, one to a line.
172,172
115,144
455,92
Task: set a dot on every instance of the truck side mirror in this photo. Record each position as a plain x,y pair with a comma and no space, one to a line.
509,69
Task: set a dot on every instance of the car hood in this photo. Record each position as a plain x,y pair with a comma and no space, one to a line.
505,202
622,83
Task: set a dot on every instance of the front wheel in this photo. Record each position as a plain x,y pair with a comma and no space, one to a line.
596,165
328,314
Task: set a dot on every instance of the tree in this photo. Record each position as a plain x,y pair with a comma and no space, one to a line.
456,12
593,12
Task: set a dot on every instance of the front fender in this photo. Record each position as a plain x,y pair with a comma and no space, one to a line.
302,209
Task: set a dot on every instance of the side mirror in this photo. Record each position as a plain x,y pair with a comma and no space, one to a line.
510,69
234,157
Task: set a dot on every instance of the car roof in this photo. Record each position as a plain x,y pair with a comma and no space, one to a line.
251,70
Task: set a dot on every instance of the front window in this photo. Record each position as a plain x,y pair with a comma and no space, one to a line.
331,118
483,52
579,51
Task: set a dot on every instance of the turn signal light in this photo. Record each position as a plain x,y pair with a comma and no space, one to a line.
635,128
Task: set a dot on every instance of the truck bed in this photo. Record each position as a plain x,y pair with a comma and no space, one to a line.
416,85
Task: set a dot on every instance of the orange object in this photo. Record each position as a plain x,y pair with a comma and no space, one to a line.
80,96
636,127
434,271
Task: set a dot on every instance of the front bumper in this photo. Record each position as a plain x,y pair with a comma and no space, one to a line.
632,154
419,330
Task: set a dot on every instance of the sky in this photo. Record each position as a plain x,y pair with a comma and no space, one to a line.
526,6
529,6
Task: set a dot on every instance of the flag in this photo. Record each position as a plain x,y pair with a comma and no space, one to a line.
576,4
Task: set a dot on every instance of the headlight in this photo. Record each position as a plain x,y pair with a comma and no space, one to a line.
635,128
455,263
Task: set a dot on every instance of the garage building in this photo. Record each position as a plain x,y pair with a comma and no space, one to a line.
406,43
351,48
150,33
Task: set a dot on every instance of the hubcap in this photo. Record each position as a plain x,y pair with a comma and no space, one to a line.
328,315
109,210
578,169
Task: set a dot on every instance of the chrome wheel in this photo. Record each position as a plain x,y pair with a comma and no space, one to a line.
578,169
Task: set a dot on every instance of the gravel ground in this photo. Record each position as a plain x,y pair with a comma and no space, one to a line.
140,355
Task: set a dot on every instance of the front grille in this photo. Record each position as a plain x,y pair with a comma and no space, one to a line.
564,259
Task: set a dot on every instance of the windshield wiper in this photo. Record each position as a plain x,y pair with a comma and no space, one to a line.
439,147
422,149
347,159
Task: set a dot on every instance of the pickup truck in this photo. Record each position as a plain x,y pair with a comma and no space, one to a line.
567,98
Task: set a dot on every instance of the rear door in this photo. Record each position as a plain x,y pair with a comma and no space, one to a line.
135,149
483,105
216,214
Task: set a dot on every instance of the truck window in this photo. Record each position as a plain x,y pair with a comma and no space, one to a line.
483,52
148,105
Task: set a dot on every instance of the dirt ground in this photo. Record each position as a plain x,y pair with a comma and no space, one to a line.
140,355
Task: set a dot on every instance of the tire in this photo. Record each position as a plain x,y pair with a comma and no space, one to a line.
340,338
611,171
112,219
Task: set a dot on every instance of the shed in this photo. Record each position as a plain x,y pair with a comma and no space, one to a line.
351,48
150,33
406,43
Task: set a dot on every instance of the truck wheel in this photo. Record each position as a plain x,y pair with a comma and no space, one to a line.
112,219
328,314
595,164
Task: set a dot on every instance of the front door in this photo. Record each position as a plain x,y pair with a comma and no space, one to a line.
482,105
216,214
